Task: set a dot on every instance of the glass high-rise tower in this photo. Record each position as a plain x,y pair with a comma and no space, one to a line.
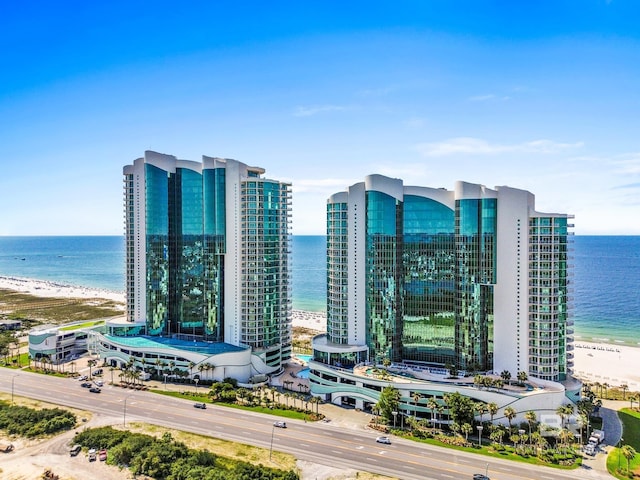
474,278
207,253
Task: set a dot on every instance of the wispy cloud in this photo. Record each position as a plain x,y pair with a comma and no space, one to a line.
630,165
322,185
478,146
631,186
408,171
489,97
377,92
415,122
316,109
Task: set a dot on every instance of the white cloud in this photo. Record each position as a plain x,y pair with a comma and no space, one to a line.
415,122
406,171
323,185
314,110
488,97
629,166
478,146
482,98
377,92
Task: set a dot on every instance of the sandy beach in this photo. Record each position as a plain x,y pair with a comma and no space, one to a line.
613,364
41,288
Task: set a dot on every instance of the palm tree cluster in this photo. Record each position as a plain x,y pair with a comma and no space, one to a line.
227,391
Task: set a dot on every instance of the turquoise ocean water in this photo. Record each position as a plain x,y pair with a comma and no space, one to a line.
606,298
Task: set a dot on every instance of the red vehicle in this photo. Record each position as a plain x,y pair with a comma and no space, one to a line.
102,455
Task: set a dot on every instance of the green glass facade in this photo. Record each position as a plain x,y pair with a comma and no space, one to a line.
184,264
475,277
157,248
384,276
214,248
429,259
430,274
265,253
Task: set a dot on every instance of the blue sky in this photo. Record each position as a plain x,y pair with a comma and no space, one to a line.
542,96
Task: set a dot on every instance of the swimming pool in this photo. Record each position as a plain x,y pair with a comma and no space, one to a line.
304,357
304,373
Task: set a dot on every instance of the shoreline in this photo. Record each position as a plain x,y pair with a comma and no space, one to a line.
614,363
44,288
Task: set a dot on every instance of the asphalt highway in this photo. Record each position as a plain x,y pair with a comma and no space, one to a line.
318,442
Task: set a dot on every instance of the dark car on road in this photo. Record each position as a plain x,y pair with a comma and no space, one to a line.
86,385
203,406
94,390
480,476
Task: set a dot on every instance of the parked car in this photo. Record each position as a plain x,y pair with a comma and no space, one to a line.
91,454
75,450
94,390
86,385
385,440
590,449
98,372
102,455
203,406
280,424
99,383
82,378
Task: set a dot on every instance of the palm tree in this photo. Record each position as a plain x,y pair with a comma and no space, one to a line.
135,376
505,375
624,387
158,364
466,429
497,435
530,417
416,398
633,398
568,410
492,408
605,386
191,365
481,408
91,363
565,436
432,405
440,412
522,376
628,452
599,387
510,413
